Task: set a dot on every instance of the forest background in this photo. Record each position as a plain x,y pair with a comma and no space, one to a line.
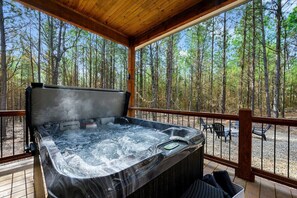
242,58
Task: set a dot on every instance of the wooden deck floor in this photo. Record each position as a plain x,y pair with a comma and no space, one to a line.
16,180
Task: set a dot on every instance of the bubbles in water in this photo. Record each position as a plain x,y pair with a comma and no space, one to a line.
91,152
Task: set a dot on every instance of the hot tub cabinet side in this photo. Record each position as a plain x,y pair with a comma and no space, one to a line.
176,180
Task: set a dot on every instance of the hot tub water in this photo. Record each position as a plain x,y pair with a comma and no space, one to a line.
107,148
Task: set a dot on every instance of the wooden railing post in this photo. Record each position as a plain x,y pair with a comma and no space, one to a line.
131,79
244,169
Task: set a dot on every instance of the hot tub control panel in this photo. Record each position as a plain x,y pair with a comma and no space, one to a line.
172,147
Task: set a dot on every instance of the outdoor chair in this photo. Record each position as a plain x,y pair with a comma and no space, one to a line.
205,126
220,130
261,130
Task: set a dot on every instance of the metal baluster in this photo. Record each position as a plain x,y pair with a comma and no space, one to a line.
213,137
13,135
262,148
1,137
274,149
221,142
289,151
188,121
230,140
205,135
182,120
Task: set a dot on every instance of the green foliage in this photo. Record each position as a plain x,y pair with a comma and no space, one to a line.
197,66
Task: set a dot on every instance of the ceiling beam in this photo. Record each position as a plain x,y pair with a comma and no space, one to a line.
191,16
70,16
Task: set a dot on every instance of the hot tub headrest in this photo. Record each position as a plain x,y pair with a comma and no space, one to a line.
47,103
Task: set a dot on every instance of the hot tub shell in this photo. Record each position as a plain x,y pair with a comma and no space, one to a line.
168,173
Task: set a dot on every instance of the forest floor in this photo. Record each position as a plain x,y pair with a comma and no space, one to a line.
15,141
276,154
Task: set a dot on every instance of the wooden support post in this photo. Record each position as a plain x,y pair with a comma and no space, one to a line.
244,169
131,79
38,178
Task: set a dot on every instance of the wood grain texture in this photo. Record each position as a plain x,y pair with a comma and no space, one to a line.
267,188
13,184
128,21
129,16
244,170
198,10
131,79
38,178
77,18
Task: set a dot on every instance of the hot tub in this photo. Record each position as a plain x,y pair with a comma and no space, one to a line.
89,147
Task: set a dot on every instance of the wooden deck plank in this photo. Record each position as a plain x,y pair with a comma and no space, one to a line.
21,184
6,193
267,188
18,188
5,182
294,192
221,167
5,178
282,191
240,182
5,186
252,189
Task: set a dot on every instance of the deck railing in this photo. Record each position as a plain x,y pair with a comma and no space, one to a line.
274,158
13,139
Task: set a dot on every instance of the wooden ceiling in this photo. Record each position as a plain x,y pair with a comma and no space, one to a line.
131,22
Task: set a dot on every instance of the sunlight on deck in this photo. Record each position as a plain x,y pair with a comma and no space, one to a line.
16,180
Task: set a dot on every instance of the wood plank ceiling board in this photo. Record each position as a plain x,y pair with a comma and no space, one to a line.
200,11
129,22
76,18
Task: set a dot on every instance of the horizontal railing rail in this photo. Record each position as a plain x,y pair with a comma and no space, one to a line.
188,113
14,140
246,166
216,149
6,113
275,121
277,159
13,136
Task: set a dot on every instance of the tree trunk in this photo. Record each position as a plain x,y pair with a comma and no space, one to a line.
102,81
286,55
243,61
96,63
31,57
265,63
140,91
3,105
58,56
90,61
50,49
212,64
169,60
154,83
39,47
277,63
199,75
224,65
253,60
248,98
